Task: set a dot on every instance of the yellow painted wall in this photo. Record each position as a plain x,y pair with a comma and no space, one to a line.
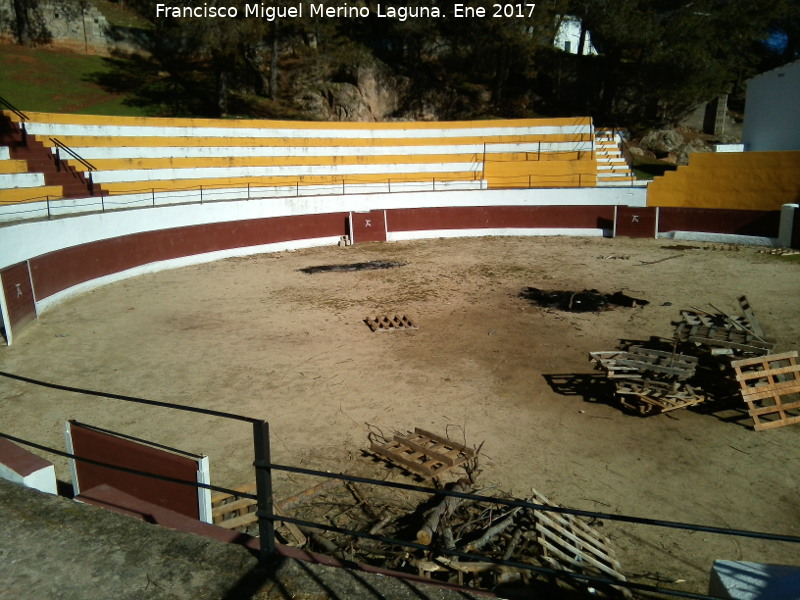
37,117
742,180
34,194
13,166
541,173
133,187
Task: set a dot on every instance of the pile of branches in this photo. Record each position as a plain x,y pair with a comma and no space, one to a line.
441,525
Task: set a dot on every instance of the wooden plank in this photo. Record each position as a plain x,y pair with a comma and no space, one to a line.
763,425
766,410
470,452
745,376
231,507
744,304
760,360
247,488
777,389
236,522
293,529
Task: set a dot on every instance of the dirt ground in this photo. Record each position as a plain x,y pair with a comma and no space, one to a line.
259,337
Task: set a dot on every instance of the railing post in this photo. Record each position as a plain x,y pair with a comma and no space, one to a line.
389,183
58,159
153,192
248,190
263,464
201,194
433,183
343,192
48,207
90,183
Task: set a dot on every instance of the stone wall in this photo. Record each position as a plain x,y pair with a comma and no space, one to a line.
71,25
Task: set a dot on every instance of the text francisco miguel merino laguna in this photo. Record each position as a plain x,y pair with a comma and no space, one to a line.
301,9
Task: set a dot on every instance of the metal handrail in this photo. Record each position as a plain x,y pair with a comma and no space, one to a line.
14,109
62,146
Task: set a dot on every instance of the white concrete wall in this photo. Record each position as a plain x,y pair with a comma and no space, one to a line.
43,480
772,110
20,180
64,129
95,153
30,239
295,171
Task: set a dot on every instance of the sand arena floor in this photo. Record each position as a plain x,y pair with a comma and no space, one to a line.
259,337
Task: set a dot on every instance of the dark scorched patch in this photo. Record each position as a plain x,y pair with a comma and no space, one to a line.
364,266
585,301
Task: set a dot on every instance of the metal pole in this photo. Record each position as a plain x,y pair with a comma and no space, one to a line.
153,192
263,464
201,194
248,190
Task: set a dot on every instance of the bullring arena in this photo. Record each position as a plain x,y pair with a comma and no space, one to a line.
197,291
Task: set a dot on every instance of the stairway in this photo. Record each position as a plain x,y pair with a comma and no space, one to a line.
612,169
41,160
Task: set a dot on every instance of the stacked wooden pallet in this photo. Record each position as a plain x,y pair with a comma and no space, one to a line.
722,333
650,381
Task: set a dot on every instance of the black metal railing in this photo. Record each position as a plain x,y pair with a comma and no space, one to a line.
264,468
62,147
20,115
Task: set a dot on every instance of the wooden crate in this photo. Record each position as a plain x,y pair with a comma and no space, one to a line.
569,543
423,453
653,397
395,323
770,385
637,363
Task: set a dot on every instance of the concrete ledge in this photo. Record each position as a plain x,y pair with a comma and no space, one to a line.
754,581
20,466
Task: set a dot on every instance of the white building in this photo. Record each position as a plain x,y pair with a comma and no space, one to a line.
772,110
569,36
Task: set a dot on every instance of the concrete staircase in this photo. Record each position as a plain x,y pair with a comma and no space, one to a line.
612,169
40,159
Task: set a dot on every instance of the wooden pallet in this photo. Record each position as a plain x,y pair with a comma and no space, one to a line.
741,336
770,385
233,512
569,543
653,397
638,363
423,453
394,323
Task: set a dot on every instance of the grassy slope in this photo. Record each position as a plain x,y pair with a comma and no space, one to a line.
36,79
